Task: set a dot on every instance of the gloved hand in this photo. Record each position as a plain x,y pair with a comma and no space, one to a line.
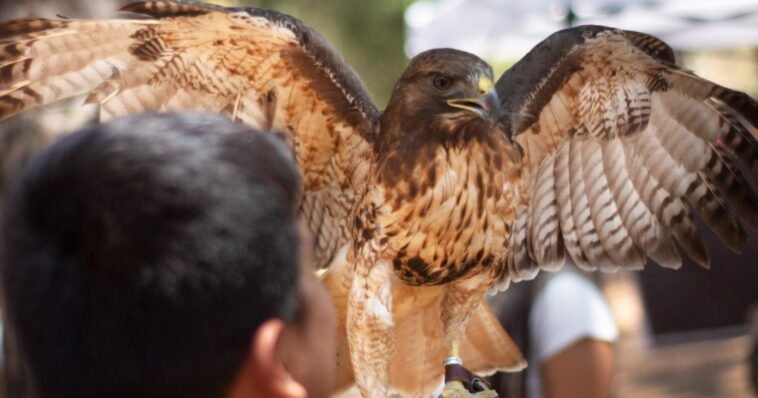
456,389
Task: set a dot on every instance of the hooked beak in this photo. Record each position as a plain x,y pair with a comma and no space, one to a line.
486,105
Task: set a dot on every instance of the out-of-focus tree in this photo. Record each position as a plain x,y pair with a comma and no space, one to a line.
370,34
12,9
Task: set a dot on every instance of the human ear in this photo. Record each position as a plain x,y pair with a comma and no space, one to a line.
268,370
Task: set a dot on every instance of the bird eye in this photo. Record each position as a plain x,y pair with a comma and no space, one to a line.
441,82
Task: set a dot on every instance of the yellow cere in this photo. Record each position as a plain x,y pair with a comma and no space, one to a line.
485,84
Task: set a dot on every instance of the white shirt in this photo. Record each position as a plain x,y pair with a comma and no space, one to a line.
569,308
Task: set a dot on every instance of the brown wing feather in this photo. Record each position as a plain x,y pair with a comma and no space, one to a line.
620,146
260,67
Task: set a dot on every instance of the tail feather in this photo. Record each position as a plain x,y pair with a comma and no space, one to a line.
416,368
487,347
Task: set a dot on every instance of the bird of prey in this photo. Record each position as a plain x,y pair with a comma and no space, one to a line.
595,145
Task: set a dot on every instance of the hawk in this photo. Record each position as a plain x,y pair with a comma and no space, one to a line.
595,146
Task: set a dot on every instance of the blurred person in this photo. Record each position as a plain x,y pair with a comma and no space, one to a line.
753,365
161,256
566,329
752,359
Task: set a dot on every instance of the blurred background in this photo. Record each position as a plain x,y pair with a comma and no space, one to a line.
682,334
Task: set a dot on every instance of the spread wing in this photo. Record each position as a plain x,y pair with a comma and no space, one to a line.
620,149
257,66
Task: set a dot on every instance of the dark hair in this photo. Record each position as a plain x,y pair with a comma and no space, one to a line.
141,256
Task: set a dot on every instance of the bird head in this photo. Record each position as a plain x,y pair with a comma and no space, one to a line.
449,86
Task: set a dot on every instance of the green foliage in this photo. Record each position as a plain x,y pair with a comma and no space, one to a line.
369,34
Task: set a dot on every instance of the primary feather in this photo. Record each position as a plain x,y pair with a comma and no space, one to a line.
635,144
260,67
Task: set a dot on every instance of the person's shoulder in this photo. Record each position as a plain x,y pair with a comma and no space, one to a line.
568,287
568,308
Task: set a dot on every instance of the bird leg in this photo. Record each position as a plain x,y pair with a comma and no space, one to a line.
370,327
457,306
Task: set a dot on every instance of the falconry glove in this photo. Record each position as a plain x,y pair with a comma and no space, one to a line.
460,382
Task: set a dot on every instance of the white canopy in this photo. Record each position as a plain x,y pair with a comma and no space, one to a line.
507,29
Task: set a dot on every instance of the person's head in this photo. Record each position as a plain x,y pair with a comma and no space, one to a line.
161,255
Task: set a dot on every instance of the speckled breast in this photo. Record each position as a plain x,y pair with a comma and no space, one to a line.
451,220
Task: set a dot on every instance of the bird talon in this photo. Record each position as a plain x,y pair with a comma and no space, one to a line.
455,389
460,382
